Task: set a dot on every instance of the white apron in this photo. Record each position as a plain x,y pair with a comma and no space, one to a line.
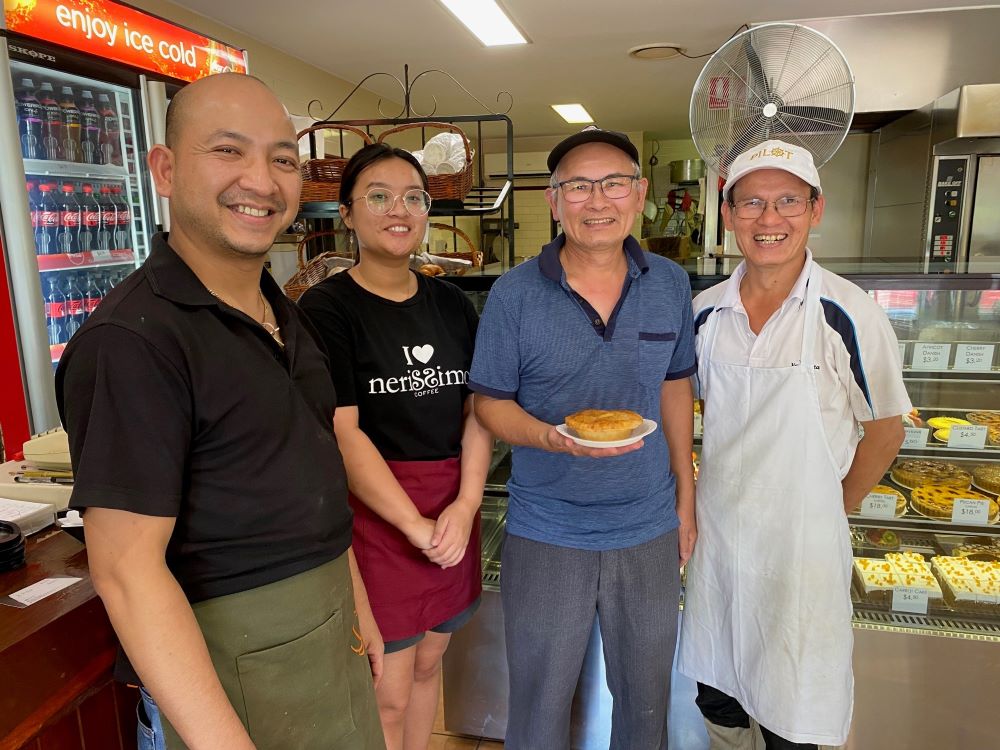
767,613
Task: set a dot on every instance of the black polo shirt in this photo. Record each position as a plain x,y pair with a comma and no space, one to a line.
178,405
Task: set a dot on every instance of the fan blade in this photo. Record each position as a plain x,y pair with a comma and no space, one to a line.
825,117
756,69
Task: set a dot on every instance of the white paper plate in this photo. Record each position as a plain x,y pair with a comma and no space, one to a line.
647,426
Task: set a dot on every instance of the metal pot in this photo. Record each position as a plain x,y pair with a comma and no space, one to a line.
686,170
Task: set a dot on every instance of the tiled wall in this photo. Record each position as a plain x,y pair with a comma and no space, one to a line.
532,214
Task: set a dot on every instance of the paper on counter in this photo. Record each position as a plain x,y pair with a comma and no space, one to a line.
30,517
38,591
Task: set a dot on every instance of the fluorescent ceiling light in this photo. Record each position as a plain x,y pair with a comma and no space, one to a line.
573,112
486,20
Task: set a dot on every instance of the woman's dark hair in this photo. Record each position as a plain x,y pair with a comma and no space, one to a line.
367,156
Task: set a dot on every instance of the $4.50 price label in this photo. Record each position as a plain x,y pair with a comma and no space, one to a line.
909,599
970,510
967,436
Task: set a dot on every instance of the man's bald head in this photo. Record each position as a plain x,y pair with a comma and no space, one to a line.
186,100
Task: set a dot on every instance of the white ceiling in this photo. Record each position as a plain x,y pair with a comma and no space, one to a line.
579,52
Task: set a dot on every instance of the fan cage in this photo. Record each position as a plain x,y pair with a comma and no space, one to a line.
783,81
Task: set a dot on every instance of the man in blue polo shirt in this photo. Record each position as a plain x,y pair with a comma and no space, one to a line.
592,323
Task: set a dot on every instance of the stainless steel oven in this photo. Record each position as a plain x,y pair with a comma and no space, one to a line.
934,186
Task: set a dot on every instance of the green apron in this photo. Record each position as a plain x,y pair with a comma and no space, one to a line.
289,657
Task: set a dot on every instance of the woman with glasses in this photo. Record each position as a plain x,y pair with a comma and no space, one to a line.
400,347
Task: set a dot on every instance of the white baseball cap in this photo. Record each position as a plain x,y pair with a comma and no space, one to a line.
795,160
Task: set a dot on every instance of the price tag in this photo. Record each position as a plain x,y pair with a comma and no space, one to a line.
697,423
879,505
902,354
970,510
909,599
101,255
974,357
916,437
967,436
930,356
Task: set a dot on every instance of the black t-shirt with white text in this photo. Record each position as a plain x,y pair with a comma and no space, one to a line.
405,365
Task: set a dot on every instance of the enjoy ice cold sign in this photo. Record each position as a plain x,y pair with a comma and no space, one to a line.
118,32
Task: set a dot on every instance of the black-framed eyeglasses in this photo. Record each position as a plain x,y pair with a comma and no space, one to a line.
788,207
380,201
613,186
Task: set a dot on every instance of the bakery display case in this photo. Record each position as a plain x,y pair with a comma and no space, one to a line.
926,579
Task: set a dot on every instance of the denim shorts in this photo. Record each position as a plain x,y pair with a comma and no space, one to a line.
149,733
448,626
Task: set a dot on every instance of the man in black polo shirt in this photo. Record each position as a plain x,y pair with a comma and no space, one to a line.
199,410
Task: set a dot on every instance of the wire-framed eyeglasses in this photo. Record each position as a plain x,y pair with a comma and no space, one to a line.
380,201
613,186
788,207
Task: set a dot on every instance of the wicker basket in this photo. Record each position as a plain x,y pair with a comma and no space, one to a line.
471,254
443,186
321,177
315,270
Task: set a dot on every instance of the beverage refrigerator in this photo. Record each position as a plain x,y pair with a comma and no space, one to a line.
84,86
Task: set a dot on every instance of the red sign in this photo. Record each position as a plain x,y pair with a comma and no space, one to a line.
718,92
118,32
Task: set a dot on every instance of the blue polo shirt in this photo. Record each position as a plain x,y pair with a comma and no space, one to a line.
543,345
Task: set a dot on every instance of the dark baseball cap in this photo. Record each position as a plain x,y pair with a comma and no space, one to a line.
591,134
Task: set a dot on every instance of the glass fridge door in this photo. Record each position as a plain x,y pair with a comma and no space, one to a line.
82,155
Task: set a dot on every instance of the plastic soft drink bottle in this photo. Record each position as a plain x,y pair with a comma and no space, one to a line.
75,313
55,313
110,140
90,135
32,206
29,120
48,222
109,220
90,220
92,294
52,123
122,238
69,221
71,126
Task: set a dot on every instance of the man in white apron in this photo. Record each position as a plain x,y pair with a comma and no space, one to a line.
792,360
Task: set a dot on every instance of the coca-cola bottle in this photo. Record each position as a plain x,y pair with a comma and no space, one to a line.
71,126
69,221
109,220
29,120
92,294
90,220
55,313
90,135
52,123
110,139
32,206
75,313
122,238
106,283
48,222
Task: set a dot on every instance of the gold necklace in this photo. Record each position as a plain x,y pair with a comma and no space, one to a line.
272,330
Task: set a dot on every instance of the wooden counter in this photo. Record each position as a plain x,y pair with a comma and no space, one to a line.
56,655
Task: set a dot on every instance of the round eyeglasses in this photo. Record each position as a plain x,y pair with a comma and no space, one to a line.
787,207
380,201
613,186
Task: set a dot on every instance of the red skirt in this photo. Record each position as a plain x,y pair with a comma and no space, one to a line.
409,594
